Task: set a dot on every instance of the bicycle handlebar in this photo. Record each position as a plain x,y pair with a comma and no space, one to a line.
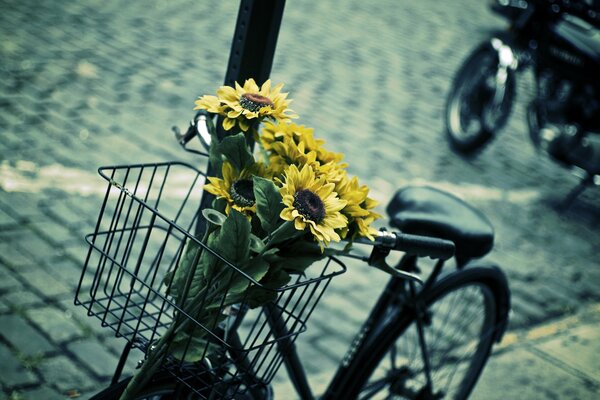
421,246
198,127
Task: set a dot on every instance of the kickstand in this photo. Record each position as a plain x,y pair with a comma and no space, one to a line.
586,181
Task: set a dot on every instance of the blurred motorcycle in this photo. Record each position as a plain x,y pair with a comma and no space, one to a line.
560,42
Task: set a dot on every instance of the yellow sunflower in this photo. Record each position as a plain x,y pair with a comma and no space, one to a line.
237,187
299,134
355,196
242,104
287,152
358,206
363,223
332,171
311,202
278,132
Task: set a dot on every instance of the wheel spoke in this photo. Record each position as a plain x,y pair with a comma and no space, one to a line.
373,388
457,339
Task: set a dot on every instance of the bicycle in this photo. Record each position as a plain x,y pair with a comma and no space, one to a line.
436,334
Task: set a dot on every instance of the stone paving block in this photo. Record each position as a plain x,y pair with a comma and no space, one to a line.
23,336
55,232
90,325
13,372
66,270
525,313
336,323
10,254
55,323
521,375
579,349
21,206
67,212
332,346
313,358
42,393
61,373
7,281
45,282
22,299
77,251
6,219
40,248
95,355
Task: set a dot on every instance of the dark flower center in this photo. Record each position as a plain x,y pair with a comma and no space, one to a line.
254,102
242,193
309,205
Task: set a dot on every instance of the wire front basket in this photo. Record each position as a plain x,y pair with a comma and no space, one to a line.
141,236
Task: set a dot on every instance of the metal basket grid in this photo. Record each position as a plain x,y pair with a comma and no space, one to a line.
145,223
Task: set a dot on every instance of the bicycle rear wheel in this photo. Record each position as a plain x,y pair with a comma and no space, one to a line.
461,321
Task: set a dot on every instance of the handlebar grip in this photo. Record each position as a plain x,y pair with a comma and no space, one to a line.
424,246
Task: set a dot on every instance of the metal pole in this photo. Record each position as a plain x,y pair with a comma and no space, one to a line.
251,56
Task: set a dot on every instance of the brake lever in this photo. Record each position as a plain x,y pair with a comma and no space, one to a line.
199,127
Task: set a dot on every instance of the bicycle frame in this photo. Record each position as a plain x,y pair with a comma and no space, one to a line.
396,297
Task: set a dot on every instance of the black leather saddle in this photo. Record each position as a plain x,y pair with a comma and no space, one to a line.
422,210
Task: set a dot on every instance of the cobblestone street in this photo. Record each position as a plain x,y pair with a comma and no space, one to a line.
93,83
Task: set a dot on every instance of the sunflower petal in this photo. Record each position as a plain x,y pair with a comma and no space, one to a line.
227,93
228,123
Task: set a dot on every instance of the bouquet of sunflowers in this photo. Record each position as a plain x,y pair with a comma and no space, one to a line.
276,210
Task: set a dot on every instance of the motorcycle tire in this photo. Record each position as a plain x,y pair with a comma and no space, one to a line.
470,121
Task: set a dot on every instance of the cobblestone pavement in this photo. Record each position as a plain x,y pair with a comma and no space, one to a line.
94,82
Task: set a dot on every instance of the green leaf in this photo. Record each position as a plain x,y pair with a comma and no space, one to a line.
276,278
271,254
220,205
256,269
256,244
301,247
297,264
209,263
176,279
215,158
297,256
233,242
192,345
236,150
286,231
257,296
213,216
268,203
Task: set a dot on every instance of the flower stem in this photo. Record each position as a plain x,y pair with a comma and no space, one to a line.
149,367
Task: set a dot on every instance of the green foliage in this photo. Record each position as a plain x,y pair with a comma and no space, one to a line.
233,239
175,280
286,231
297,255
257,256
214,154
191,347
268,203
236,150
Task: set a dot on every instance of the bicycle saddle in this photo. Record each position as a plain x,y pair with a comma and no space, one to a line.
427,211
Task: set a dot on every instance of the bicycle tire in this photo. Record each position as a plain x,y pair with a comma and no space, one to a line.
464,137
407,381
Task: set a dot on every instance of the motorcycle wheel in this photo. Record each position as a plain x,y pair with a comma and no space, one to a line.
472,116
